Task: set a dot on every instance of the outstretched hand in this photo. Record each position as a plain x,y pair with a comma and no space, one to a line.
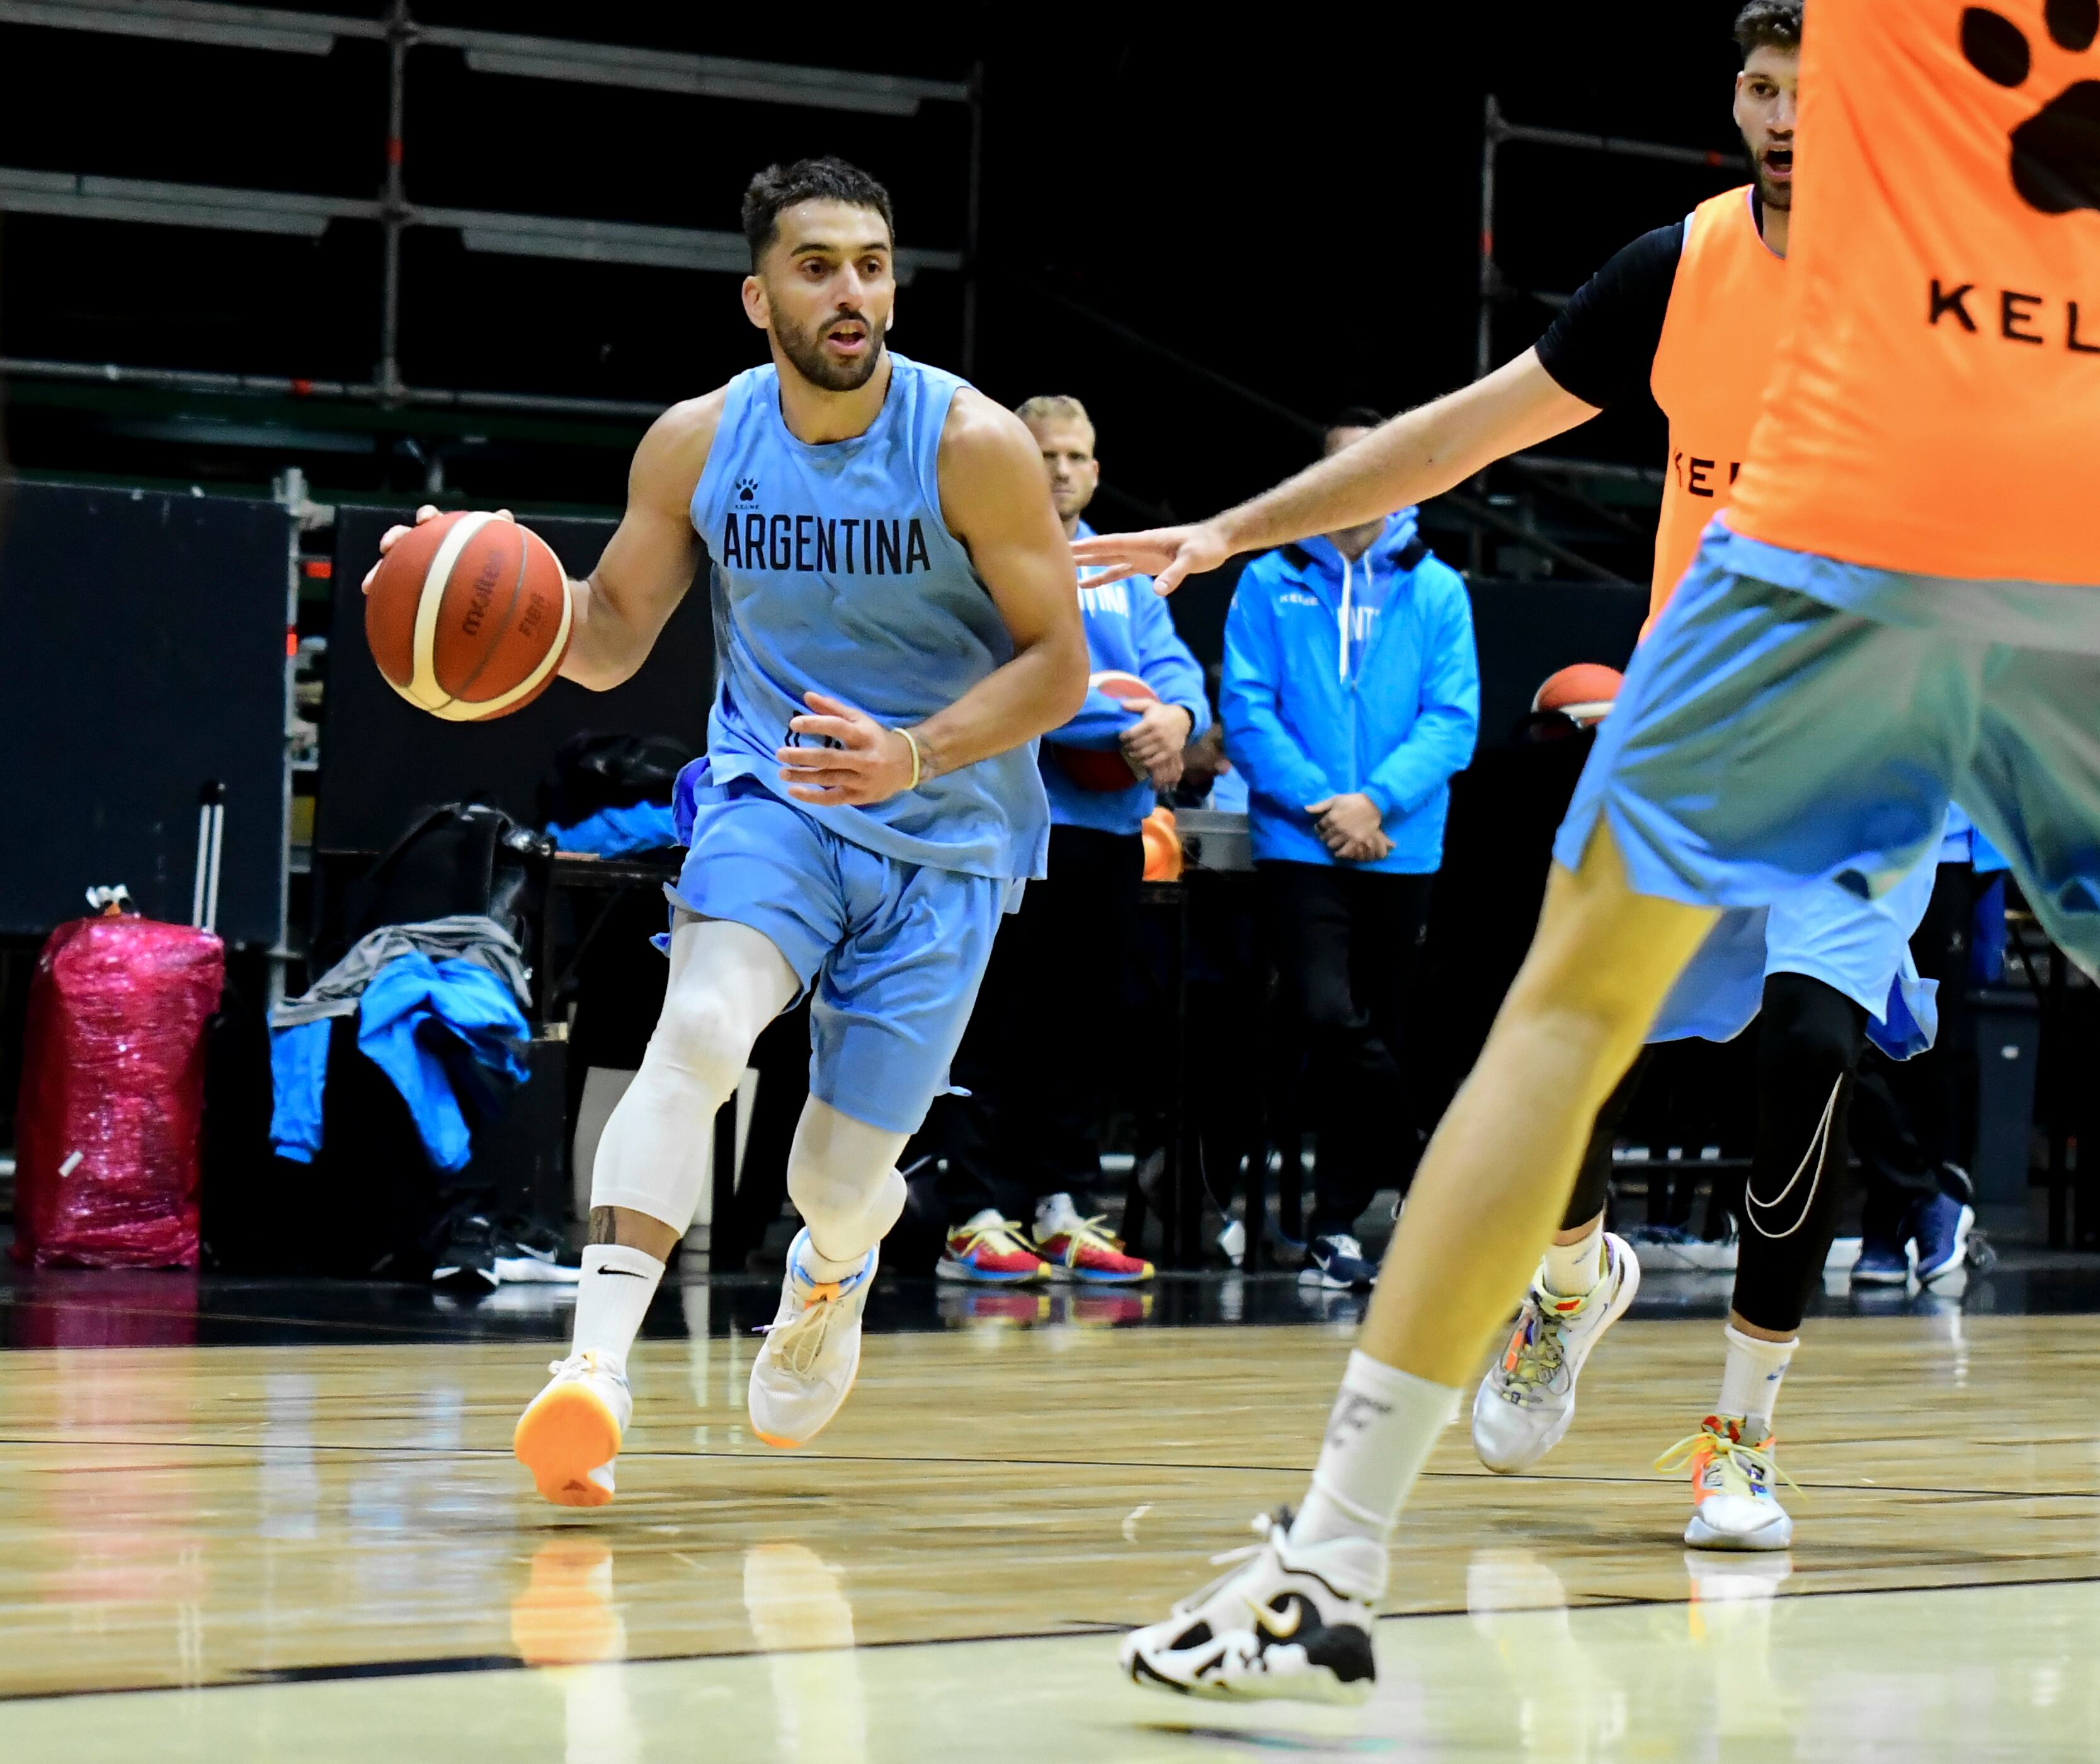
393,535
852,760
1168,555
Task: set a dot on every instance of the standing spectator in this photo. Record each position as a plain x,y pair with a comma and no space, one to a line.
1024,1141
1351,695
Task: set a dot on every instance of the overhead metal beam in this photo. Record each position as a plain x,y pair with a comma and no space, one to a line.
82,197
499,52
545,236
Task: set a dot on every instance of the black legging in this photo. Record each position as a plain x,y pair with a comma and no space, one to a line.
1808,1050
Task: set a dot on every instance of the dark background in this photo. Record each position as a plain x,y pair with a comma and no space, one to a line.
1296,210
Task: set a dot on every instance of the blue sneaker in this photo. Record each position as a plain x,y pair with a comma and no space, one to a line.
1940,1227
1337,1262
1883,1261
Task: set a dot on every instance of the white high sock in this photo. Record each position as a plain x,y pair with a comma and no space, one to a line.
612,1297
842,1177
1751,1378
1571,1270
1384,1426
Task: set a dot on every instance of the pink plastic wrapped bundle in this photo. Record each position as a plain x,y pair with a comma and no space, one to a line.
108,1132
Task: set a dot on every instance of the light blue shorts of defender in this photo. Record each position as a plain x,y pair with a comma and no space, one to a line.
892,952
1766,737
1828,930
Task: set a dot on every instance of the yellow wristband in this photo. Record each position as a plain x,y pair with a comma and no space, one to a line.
918,762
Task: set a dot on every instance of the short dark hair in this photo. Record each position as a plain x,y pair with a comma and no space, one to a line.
1348,416
825,179
1768,24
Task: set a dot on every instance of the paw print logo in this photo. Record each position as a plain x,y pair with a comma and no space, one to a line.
2056,151
746,488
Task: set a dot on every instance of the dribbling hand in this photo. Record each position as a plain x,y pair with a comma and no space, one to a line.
1168,555
869,764
387,540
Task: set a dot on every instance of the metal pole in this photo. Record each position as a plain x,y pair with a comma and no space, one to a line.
1484,339
400,34
970,222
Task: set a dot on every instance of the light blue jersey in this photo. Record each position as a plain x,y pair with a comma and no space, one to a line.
834,572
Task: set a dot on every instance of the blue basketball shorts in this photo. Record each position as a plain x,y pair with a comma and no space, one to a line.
891,953
1767,737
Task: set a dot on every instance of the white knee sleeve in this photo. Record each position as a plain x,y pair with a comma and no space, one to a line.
842,1178
727,983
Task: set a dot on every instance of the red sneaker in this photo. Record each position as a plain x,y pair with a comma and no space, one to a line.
991,1249
1078,1249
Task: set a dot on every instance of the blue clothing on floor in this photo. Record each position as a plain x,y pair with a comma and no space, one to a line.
430,1027
894,952
615,832
833,571
1344,675
299,1077
1129,628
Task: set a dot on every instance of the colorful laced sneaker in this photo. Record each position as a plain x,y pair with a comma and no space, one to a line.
991,1249
1080,1249
1527,1401
1286,1621
1733,1506
812,1352
570,1433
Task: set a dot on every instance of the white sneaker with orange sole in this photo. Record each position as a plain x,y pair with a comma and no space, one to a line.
570,1433
811,1351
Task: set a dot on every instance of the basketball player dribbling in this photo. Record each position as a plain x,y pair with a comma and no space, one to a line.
895,624
1902,602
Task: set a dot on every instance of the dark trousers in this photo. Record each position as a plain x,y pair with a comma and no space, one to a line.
1911,1115
1347,944
1052,1020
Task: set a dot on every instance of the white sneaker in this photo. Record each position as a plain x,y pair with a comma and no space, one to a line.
1733,1506
570,1433
1291,1621
812,1351
1527,1400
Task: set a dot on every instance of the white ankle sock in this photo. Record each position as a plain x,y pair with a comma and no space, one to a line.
612,1297
1571,1270
1053,1212
1751,1378
1380,1433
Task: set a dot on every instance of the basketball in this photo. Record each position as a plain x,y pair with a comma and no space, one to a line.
469,616
1583,692
1104,768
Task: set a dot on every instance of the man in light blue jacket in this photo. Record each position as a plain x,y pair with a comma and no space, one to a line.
1350,694
1023,1141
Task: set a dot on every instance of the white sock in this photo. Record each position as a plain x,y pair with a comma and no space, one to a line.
1382,1427
842,1177
612,1297
1751,1378
1052,1213
1571,1270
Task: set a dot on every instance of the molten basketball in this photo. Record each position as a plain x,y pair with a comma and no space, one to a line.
1104,768
1583,693
469,616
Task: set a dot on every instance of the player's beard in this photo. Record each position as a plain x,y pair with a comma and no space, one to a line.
1773,192
805,349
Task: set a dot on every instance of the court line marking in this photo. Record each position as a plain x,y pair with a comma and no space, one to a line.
1077,1628
1519,1478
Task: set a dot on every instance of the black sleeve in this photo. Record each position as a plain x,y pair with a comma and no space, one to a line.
1601,345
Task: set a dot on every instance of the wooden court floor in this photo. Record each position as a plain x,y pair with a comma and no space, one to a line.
323,1553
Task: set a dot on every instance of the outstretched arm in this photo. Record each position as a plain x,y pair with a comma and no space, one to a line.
1413,458
994,499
